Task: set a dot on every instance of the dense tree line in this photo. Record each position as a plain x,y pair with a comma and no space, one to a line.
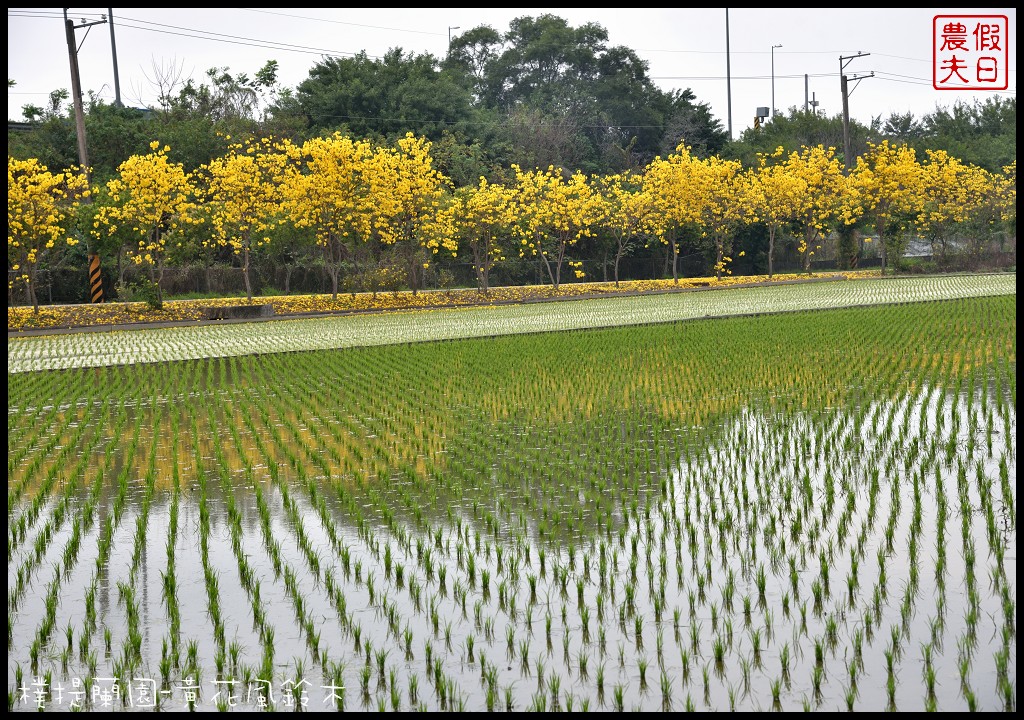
499,106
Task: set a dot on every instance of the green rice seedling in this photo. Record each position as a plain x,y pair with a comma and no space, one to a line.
719,651
365,673
618,698
817,675
972,700
554,685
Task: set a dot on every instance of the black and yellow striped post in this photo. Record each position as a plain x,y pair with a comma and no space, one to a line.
95,279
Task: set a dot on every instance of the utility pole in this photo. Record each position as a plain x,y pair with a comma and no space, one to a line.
844,86
728,74
773,78
76,88
806,90
95,274
113,53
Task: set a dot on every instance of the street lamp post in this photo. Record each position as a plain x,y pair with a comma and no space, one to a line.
773,78
450,28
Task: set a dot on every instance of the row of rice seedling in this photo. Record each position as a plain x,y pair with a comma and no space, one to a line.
748,513
205,341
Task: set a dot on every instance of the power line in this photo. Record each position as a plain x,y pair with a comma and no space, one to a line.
341,22
741,77
233,39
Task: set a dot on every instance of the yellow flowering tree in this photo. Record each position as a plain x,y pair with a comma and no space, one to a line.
482,216
627,208
40,205
774,197
886,187
241,192
670,187
153,198
722,204
407,194
324,190
554,214
817,206
1005,189
954,192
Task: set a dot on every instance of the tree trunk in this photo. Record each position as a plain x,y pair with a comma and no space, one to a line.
675,263
245,272
287,279
719,254
771,251
160,281
551,274
30,290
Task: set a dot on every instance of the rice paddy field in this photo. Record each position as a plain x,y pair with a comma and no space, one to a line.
810,510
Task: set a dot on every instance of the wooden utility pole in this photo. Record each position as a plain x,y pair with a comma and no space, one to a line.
113,53
844,86
76,93
76,88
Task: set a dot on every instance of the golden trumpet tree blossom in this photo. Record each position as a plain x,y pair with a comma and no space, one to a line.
723,191
627,208
818,205
953,191
886,186
325,190
774,197
151,198
554,214
1006,194
671,187
482,217
408,194
241,192
40,204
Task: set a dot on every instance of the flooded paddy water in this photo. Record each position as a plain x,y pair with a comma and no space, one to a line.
806,511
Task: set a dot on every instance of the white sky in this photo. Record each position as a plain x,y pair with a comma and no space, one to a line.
684,48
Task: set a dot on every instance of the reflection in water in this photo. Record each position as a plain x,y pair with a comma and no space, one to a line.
651,519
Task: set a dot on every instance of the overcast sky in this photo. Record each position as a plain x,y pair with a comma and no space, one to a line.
685,48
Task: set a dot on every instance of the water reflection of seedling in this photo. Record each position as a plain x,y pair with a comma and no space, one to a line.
817,675
719,651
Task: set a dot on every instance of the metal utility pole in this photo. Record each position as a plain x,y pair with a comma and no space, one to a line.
113,53
773,78
76,88
844,87
728,74
806,90
450,28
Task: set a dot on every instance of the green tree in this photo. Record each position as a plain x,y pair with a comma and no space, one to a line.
384,99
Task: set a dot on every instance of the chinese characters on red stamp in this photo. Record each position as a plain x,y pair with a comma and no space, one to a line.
970,52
